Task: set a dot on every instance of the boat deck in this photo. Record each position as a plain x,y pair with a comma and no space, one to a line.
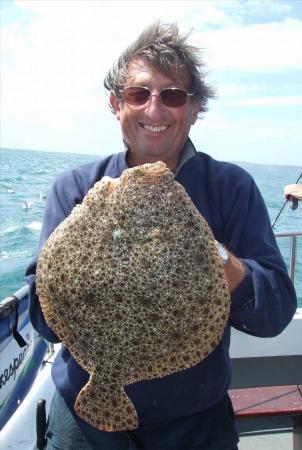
265,433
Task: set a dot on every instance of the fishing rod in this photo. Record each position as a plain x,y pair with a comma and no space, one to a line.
278,215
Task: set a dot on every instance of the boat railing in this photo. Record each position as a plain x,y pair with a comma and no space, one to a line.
273,361
293,237
10,306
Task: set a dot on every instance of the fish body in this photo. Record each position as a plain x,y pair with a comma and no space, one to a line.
132,284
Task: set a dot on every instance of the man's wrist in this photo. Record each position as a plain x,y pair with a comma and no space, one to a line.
234,271
222,253
233,267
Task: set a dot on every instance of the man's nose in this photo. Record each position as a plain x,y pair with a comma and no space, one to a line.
154,108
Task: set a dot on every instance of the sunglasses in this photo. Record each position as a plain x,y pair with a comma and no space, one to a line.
171,97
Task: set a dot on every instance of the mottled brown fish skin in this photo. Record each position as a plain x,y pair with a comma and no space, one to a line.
132,284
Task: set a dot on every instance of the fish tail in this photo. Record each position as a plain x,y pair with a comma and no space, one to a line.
107,410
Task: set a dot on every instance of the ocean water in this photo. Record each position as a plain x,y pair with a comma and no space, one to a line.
26,177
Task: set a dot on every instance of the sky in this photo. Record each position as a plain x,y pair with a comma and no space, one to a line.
56,53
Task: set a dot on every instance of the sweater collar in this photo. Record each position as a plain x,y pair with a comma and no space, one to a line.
187,153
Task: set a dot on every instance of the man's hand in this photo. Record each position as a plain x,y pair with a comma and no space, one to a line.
293,191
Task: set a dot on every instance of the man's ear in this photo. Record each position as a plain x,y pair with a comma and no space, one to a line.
114,102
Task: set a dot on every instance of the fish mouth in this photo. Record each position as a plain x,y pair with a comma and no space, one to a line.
151,173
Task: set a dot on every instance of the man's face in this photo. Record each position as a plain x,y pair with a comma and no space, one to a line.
154,131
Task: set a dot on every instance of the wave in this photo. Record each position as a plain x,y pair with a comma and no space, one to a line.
9,230
34,225
14,254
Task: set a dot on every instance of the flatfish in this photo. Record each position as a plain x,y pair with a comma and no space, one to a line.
132,284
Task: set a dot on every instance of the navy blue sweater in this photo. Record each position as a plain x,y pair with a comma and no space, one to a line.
262,305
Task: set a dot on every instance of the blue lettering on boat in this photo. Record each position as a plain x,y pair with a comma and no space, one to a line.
11,370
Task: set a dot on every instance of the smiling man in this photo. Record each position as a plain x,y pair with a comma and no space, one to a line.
156,90
153,127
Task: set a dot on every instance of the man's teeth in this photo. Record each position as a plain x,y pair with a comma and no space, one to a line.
156,129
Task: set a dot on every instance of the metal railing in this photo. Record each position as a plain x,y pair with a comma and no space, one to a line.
293,235
8,305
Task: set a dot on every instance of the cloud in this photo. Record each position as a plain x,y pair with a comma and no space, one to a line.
54,63
286,100
254,11
249,139
260,128
55,58
236,90
257,48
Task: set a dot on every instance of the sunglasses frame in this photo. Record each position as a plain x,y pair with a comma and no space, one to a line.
159,94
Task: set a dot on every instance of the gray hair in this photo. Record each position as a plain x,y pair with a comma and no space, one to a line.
163,48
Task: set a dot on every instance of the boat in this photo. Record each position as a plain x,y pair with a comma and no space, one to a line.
270,362
26,387
24,373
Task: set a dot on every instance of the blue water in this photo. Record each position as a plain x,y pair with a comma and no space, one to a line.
26,177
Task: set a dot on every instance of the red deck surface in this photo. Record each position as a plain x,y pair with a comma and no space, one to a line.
267,401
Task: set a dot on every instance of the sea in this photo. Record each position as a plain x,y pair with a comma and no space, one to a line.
26,177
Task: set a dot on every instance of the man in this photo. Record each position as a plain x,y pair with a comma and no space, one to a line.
156,91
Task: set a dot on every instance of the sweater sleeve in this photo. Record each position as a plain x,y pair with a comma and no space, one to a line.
265,302
63,196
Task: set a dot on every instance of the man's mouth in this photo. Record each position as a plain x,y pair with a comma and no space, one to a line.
154,128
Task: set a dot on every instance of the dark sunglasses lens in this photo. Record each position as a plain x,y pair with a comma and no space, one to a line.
136,96
173,97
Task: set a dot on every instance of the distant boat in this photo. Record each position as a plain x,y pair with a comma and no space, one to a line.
43,196
10,190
